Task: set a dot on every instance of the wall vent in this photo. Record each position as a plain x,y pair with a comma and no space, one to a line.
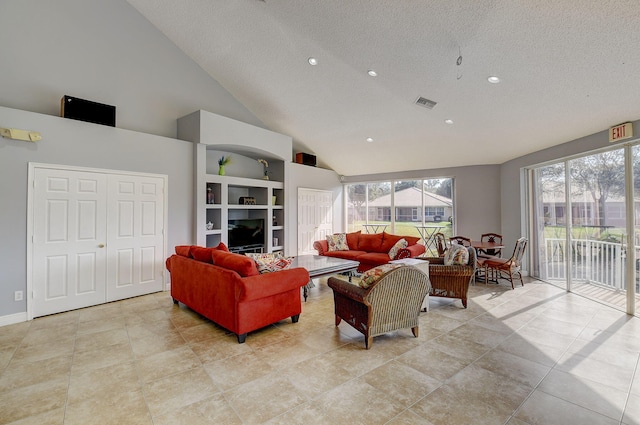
426,103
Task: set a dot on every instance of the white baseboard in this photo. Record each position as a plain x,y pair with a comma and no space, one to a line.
13,319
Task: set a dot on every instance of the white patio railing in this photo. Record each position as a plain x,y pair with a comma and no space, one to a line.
595,262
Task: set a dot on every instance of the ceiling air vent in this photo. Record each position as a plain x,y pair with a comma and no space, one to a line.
429,104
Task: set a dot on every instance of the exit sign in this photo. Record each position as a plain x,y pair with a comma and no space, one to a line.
620,132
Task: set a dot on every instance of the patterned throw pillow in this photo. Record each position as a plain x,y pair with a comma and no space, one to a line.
338,242
268,257
371,276
273,262
456,255
401,244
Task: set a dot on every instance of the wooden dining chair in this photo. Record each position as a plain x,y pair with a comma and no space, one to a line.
493,238
503,268
441,243
460,240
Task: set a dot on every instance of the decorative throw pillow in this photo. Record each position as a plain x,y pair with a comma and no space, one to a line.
401,244
352,239
277,264
371,276
272,262
388,241
370,242
242,265
183,250
456,255
338,242
221,246
201,253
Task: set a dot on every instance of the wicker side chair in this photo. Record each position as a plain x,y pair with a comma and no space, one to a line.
452,281
506,268
391,303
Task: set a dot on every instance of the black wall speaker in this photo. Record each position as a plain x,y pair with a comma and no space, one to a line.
86,110
306,159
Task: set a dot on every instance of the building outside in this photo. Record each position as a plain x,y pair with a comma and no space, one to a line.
408,205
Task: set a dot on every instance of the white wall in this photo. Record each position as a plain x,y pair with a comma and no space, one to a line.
304,176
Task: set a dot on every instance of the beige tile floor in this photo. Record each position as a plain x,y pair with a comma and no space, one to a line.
533,355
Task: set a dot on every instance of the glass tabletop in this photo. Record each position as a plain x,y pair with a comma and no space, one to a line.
318,265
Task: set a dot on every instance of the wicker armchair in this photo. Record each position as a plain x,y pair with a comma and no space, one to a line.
392,303
452,281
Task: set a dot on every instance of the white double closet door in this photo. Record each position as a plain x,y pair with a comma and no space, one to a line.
98,236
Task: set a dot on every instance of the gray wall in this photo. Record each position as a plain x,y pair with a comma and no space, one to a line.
512,179
476,195
75,143
105,51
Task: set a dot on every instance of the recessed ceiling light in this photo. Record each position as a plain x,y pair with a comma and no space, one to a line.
448,121
372,73
493,79
313,61
369,139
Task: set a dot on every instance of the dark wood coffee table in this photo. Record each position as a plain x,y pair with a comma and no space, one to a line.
319,265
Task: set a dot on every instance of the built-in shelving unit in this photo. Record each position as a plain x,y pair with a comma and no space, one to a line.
226,206
217,198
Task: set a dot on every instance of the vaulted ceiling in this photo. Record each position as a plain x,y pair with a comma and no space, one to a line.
567,69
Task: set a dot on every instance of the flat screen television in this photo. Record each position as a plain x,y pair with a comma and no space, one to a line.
246,233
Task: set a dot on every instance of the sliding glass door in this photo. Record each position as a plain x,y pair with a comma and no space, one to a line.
580,225
550,224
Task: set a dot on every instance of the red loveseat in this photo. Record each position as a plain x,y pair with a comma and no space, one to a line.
228,289
372,250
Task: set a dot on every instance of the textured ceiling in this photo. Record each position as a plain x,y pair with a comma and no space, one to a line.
568,69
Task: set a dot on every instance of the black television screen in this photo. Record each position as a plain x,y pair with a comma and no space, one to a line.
246,232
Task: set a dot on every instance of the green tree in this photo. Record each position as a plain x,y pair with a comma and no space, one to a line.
445,188
601,176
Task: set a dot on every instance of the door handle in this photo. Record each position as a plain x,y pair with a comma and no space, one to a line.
101,245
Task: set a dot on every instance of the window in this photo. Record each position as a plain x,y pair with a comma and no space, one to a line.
400,206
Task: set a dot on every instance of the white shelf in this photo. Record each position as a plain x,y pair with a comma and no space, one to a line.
247,207
243,181
229,188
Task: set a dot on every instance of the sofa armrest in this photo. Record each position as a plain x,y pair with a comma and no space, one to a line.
346,289
410,251
321,246
268,284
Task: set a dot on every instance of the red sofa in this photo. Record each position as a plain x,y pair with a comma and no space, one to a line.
372,250
228,289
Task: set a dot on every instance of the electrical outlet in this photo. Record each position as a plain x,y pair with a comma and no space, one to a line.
17,296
